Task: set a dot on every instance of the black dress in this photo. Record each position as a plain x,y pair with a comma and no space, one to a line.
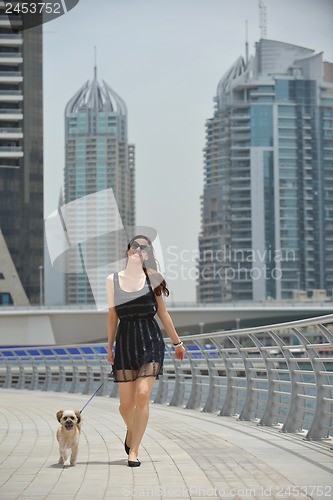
139,342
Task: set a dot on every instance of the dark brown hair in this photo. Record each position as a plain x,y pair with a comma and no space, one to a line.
149,267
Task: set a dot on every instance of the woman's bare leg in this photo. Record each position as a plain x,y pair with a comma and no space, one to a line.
144,387
127,402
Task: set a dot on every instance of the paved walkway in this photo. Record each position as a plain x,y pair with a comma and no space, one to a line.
185,454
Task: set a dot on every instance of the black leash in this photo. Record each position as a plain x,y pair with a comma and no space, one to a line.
98,388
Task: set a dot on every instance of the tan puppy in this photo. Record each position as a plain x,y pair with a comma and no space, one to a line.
68,435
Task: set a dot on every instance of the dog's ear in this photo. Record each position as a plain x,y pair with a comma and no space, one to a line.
59,414
78,416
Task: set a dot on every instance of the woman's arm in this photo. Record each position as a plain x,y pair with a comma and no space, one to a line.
169,327
112,327
112,318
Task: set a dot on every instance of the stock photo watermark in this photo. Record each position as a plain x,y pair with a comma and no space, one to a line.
283,492
88,236
23,15
226,264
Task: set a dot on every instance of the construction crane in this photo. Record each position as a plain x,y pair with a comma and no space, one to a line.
263,19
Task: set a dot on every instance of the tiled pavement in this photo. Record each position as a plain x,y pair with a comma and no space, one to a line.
185,454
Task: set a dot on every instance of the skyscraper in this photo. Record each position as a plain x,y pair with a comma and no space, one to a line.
98,157
21,160
267,205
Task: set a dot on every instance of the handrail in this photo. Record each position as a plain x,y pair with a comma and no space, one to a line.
278,375
262,329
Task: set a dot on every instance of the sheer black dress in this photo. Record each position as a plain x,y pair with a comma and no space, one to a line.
139,342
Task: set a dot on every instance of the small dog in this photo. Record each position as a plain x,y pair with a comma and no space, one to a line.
68,435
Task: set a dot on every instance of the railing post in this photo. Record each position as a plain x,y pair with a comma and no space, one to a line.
162,390
48,378
61,380
34,377
322,420
295,417
22,375
105,370
114,391
179,390
248,410
211,404
196,389
75,384
230,402
273,402
9,377
34,383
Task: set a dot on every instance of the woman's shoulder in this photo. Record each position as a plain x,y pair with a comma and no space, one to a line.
111,277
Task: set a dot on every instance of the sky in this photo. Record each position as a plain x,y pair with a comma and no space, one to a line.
165,59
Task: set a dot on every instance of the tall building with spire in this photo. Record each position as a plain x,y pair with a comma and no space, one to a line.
21,160
267,205
97,157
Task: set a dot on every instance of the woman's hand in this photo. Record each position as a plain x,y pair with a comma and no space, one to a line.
111,356
180,352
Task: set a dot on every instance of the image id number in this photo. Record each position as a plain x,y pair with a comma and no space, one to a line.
33,8
318,491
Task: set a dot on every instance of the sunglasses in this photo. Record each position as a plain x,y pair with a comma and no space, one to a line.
136,245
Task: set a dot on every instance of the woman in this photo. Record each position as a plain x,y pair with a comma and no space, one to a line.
134,297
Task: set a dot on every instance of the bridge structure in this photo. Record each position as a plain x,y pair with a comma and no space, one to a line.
70,325
247,414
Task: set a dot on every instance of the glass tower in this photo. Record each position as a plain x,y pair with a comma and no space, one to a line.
21,160
267,205
98,157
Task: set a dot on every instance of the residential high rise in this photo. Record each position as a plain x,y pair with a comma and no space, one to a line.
267,206
98,157
21,160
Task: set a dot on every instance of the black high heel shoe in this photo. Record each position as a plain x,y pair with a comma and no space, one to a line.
133,463
127,448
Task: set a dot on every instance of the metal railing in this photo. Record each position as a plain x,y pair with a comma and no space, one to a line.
278,375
